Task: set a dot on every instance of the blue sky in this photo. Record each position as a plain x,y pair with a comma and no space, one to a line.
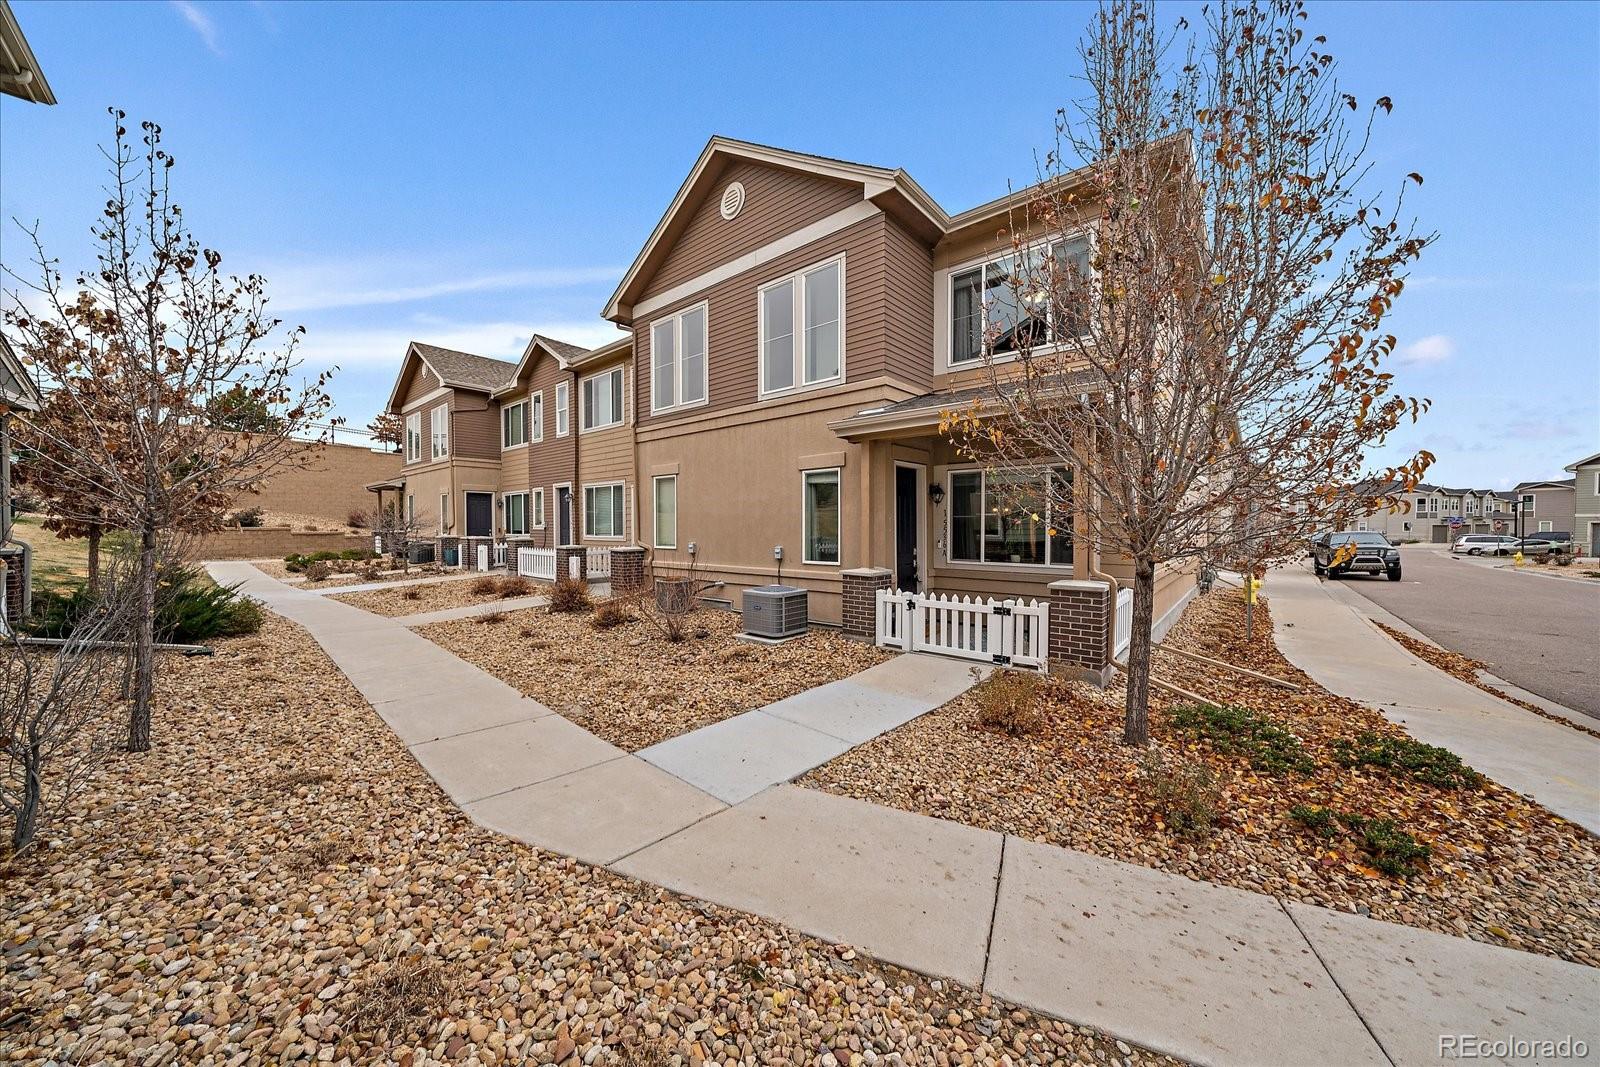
465,174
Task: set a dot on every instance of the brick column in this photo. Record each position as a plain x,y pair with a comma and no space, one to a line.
571,552
627,569
861,601
442,543
11,572
1080,620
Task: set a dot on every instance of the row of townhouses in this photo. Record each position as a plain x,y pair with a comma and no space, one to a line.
790,333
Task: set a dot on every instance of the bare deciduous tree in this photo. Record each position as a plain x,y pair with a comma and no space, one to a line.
1191,321
168,340
398,529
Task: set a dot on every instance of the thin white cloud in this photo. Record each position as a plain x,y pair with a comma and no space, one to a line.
201,23
321,286
1427,351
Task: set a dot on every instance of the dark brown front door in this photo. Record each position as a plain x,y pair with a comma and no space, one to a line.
480,514
907,567
564,514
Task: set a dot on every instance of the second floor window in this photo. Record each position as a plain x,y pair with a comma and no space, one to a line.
536,417
414,437
678,359
563,419
440,427
991,303
514,424
602,400
802,328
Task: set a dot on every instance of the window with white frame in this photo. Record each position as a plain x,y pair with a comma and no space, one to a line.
536,417
678,363
439,426
602,510
414,437
516,509
990,303
536,509
802,328
820,539
563,419
514,424
601,397
665,492
1011,518
1527,503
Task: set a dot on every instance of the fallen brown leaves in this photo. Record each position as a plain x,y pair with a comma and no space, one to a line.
1503,870
436,596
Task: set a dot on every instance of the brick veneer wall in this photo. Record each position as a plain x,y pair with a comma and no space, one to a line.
860,601
269,542
1080,621
442,543
571,552
11,571
627,569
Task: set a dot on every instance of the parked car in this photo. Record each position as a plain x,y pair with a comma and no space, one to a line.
1484,545
1541,545
1373,555
1559,541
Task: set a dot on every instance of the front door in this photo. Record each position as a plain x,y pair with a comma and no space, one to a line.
564,514
907,533
480,514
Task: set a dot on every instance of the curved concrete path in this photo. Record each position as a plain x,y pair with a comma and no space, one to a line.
1206,973
1336,643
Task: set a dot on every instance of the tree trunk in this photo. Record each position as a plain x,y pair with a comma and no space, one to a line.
144,644
94,557
1136,731
32,793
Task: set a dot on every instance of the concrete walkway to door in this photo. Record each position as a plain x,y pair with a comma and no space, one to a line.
1207,973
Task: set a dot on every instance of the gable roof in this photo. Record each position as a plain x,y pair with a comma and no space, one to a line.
16,384
1587,461
454,369
563,352
1549,483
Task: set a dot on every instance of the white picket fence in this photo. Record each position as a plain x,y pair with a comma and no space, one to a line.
1010,633
597,562
1124,622
500,553
537,563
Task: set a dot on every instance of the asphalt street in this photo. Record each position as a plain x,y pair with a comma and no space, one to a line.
1540,633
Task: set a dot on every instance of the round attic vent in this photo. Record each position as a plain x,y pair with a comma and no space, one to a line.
732,200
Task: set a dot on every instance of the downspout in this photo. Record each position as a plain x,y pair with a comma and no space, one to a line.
574,429
1094,561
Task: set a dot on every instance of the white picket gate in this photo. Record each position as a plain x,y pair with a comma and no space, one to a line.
597,563
500,553
1010,633
537,563
1124,621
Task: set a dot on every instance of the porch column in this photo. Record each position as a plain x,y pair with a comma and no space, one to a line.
627,569
861,601
565,568
1080,618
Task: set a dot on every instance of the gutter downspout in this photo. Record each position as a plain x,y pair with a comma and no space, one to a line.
1094,566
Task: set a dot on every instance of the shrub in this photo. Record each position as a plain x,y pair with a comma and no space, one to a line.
1008,702
1320,821
411,592
488,585
1238,731
609,613
317,570
1391,850
1183,792
492,618
248,517
190,608
513,585
569,595
357,519
1409,757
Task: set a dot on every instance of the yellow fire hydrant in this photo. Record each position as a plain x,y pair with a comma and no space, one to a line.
1250,587
1516,560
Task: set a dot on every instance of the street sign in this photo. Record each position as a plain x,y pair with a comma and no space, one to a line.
1454,521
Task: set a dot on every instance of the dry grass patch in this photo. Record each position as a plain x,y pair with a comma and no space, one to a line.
1497,867
631,686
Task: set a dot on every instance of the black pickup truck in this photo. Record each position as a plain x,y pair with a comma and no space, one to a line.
1373,555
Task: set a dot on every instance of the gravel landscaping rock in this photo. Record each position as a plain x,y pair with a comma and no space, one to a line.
632,687
437,596
1503,870
278,881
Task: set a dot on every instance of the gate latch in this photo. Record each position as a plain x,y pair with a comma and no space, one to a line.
1002,609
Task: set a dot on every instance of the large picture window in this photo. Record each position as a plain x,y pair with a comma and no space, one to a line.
820,543
666,511
985,304
802,328
516,507
602,510
602,400
678,366
1014,519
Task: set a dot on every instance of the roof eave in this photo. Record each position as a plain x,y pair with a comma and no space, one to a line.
32,86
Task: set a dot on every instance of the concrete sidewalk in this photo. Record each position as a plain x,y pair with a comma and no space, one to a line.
1207,973
1336,644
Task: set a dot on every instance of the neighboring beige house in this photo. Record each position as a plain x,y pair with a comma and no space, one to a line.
1586,504
1547,506
1439,514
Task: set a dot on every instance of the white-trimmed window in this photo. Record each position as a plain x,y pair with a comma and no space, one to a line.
819,541
802,328
1526,501
603,510
678,374
514,424
536,417
563,419
665,528
439,427
1010,518
516,508
1547,525
601,397
414,437
986,306
536,508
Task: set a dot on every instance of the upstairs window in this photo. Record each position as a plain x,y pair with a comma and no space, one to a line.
440,423
602,400
536,417
563,419
514,424
414,437
1007,301
678,371
802,328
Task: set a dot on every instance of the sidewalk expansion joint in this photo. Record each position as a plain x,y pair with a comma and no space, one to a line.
1334,979
994,912
674,833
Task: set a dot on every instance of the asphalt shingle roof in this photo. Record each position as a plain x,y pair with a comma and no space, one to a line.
466,369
